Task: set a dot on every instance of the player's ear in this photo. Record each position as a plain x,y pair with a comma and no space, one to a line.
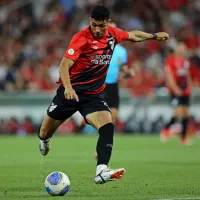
90,20
109,20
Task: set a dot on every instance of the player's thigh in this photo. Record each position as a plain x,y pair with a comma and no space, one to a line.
99,118
186,111
95,111
181,111
50,125
114,112
112,95
58,111
182,106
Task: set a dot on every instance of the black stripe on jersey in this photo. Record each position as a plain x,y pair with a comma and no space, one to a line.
91,86
89,75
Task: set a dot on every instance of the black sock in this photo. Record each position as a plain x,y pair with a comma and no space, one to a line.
184,123
105,143
172,121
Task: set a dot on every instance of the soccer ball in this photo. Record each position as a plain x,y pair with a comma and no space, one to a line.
57,184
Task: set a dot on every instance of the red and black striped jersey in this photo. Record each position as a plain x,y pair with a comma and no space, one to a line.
91,58
179,68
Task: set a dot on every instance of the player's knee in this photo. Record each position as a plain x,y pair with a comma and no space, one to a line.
107,131
114,119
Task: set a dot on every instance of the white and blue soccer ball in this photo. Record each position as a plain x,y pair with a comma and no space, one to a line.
57,184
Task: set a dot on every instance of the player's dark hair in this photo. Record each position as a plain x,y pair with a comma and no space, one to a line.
100,12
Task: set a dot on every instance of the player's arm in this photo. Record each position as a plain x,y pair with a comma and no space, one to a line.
139,36
65,65
127,72
189,79
172,83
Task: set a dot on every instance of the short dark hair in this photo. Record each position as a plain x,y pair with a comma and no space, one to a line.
100,12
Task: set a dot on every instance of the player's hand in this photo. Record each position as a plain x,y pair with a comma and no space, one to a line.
70,94
132,72
178,92
162,36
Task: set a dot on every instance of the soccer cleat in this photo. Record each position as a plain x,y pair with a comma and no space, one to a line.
44,147
164,135
186,141
109,175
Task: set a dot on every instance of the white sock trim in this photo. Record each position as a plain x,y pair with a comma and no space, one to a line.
100,168
46,141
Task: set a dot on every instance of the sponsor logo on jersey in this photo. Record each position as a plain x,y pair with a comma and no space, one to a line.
101,59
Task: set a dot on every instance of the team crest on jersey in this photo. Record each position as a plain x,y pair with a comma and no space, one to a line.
71,51
95,47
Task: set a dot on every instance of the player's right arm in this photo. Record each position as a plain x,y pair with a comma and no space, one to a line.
71,55
65,65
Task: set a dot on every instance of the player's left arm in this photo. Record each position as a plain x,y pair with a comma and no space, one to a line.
189,79
139,36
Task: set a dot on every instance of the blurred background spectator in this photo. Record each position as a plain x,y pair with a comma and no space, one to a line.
35,33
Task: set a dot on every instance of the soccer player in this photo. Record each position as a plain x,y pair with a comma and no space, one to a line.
179,85
118,62
83,70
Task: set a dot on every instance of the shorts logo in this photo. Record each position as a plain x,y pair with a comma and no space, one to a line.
52,107
175,102
71,51
104,103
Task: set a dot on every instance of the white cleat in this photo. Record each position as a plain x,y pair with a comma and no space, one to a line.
44,147
109,175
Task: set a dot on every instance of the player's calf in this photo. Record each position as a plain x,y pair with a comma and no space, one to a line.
105,144
44,145
104,150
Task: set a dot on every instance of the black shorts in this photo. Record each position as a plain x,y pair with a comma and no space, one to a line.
112,95
61,108
179,100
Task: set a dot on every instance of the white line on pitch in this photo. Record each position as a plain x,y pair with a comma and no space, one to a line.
197,198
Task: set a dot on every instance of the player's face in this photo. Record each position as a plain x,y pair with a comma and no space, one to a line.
181,49
98,28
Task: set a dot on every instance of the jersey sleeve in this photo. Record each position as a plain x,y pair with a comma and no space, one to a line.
124,57
75,47
120,35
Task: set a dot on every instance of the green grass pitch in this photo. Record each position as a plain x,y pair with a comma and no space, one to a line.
153,170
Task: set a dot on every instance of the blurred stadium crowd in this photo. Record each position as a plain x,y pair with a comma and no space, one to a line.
35,33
